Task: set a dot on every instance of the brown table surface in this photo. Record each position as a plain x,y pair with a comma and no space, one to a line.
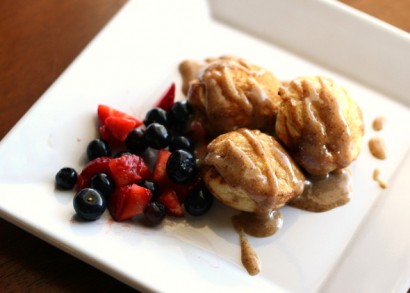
38,40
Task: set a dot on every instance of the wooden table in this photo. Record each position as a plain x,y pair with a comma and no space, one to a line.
38,40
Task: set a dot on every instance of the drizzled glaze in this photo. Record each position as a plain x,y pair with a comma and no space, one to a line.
325,193
259,225
249,257
272,182
320,124
377,148
376,177
320,194
378,123
233,93
250,171
223,75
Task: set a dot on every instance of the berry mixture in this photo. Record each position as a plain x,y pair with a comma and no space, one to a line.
118,177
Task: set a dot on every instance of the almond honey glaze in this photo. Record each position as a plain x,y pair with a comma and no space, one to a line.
249,257
325,193
320,194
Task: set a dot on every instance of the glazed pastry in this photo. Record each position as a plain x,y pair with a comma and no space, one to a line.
228,93
250,171
319,124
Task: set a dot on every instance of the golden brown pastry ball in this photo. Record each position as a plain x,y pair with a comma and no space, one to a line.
320,124
228,93
250,171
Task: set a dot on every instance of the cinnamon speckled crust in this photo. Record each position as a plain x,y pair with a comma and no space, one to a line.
250,171
320,124
228,93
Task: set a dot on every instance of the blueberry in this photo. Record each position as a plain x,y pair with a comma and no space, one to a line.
151,186
89,204
181,143
177,129
180,112
98,148
103,184
156,115
154,213
66,178
157,136
198,201
136,142
181,167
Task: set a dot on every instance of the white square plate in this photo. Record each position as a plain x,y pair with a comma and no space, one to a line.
360,247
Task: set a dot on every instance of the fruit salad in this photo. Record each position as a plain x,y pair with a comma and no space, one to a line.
141,169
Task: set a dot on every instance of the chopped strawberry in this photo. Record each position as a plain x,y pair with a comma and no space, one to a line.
120,127
159,175
167,98
128,169
107,135
98,165
172,205
128,201
105,111
115,125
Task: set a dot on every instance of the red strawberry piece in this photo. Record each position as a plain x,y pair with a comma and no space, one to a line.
159,175
128,201
107,135
128,169
96,166
120,127
171,202
167,99
105,111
